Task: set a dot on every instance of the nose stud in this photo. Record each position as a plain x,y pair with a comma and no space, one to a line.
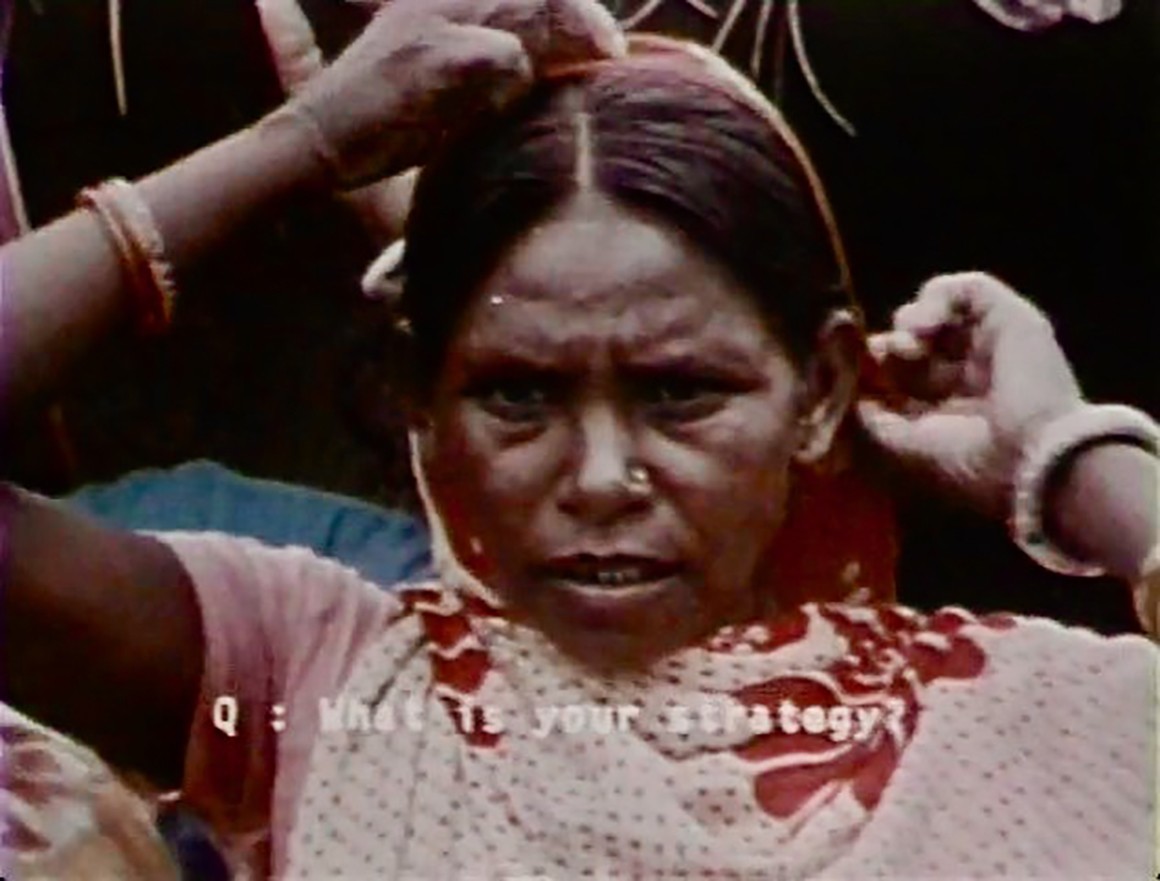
638,480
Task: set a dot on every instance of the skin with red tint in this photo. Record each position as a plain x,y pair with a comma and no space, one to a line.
604,348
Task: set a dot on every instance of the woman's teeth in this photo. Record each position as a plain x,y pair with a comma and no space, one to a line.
609,572
623,575
619,577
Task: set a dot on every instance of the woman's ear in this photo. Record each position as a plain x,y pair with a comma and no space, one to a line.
831,385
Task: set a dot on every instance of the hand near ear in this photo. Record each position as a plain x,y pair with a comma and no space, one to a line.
980,373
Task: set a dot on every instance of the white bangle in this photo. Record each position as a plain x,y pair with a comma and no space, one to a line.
1060,438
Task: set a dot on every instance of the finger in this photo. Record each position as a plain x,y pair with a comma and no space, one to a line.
957,300
900,344
942,379
975,317
491,67
582,30
472,70
928,380
945,443
909,365
552,31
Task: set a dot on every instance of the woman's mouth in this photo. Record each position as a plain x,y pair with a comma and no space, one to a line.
609,572
612,595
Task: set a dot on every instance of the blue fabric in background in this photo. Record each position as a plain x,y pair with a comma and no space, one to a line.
386,547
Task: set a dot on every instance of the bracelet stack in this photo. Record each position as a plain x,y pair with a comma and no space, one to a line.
1089,425
134,233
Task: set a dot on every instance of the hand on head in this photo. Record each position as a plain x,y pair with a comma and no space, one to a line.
981,373
423,68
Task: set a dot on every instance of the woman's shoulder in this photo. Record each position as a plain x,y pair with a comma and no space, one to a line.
283,606
934,626
247,564
1049,728
951,647
1025,675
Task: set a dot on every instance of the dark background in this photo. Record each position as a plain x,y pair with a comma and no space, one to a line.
1031,156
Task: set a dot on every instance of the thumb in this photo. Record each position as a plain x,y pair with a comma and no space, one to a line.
947,443
583,30
492,66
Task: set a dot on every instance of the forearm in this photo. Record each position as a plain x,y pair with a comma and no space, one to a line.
64,286
100,634
1105,508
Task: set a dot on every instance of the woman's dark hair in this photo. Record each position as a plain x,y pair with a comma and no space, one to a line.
658,135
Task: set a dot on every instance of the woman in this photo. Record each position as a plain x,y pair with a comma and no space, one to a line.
608,419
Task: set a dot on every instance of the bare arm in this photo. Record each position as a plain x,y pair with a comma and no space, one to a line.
101,636
63,285
1106,508
986,376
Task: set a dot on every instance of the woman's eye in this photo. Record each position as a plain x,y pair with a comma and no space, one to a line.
683,397
515,400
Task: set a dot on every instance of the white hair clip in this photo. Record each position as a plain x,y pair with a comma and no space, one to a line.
383,280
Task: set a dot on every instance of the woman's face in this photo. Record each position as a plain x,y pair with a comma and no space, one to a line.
610,441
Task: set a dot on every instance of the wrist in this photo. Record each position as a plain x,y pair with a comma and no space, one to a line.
1081,523
292,133
1085,491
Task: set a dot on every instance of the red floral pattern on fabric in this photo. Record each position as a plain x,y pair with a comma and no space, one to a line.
31,778
894,653
64,813
458,662
837,549
838,541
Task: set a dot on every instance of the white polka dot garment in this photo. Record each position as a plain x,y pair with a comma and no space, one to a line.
1006,749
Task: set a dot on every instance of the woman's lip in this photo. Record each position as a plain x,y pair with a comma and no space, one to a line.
579,567
594,605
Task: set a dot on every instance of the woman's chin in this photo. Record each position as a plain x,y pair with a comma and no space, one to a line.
613,655
618,629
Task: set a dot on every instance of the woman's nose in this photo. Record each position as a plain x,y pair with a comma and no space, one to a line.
606,480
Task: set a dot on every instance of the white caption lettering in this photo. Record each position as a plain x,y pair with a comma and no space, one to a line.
225,715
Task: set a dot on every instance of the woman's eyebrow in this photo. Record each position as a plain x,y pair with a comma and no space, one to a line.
491,361
674,354
491,358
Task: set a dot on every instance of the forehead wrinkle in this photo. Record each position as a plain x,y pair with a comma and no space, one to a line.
597,275
538,342
625,335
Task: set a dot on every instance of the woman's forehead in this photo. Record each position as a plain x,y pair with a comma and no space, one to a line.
600,276
593,254
556,332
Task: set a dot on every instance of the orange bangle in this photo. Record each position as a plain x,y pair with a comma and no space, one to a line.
134,233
